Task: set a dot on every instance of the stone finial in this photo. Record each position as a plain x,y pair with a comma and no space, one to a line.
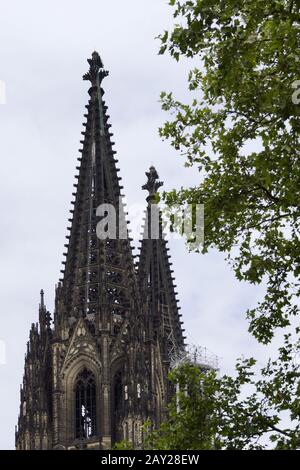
96,69
153,183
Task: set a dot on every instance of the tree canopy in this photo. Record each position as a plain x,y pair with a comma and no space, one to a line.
213,413
241,130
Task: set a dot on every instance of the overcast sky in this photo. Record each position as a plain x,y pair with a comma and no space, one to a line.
43,50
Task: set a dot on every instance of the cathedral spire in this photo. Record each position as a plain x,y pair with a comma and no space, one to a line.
93,262
155,273
103,370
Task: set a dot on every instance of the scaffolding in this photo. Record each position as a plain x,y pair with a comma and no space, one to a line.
197,355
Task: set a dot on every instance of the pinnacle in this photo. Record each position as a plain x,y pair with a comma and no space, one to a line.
96,69
153,183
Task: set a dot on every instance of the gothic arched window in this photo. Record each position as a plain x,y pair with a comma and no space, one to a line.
85,402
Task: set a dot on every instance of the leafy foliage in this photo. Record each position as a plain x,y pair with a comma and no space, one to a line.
123,445
191,422
211,413
243,135
241,130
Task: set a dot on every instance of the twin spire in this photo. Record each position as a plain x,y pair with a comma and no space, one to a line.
96,71
131,319
101,273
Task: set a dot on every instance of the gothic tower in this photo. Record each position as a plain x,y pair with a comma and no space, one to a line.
94,375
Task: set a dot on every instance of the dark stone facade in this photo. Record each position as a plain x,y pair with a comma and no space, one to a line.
96,372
